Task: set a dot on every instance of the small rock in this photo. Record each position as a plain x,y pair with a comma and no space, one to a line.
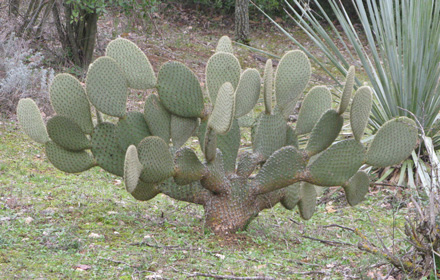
95,235
112,212
116,233
5,219
28,220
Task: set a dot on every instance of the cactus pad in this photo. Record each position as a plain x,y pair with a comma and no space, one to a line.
221,68
157,117
68,98
270,134
247,92
291,137
224,45
182,129
394,142
156,159
132,168
106,87
281,169
268,86
307,202
247,163
337,164
106,150
229,144
356,188
209,144
144,191
223,114
67,134
133,62
30,119
131,130
348,89
324,132
68,161
316,102
291,78
188,167
179,90
360,111
292,196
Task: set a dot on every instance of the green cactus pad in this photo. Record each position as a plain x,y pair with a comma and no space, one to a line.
393,143
324,132
188,167
247,92
133,62
179,90
131,129
281,169
30,119
223,114
356,188
144,191
224,45
157,117
246,121
307,203
182,129
132,168
268,86
337,164
221,68
209,144
215,176
106,150
229,144
106,87
67,134
270,134
348,89
291,78
360,111
247,162
316,103
291,137
68,98
156,159
68,161
193,192
292,196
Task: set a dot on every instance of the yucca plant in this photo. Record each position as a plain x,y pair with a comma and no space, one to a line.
399,50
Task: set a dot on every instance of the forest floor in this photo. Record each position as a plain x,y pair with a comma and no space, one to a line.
55,225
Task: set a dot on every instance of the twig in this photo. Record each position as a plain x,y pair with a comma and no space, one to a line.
329,242
216,276
339,226
173,247
118,262
307,272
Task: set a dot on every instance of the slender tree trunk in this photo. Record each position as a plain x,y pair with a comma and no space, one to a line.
242,21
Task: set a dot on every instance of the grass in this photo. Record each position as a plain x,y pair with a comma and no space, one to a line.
52,224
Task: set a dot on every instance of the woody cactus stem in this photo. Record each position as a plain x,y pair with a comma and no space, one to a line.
150,148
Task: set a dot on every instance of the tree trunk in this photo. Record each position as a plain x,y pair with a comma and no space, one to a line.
242,21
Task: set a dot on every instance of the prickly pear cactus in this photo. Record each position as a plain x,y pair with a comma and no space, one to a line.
152,149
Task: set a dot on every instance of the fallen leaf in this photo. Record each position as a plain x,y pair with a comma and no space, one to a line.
82,267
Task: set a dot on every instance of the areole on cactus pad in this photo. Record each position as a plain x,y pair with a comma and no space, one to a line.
152,151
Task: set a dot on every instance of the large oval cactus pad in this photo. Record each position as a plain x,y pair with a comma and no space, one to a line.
156,159
30,119
133,62
356,188
158,118
68,98
188,167
291,78
348,89
360,111
67,134
337,164
247,92
324,132
131,129
106,86
179,90
270,134
223,114
316,102
393,142
68,161
221,68
106,150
